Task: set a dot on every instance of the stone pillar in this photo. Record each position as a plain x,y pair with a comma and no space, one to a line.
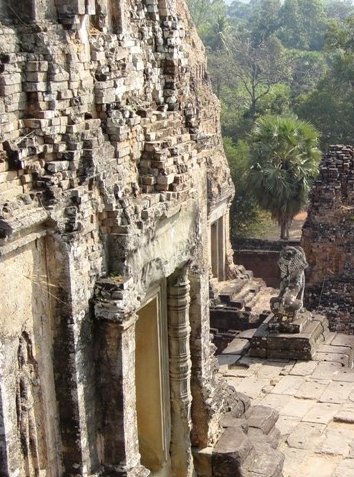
207,401
214,249
221,248
180,374
4,467
30,11
70,11
117,428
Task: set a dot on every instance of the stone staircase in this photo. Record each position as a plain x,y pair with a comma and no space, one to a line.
237,305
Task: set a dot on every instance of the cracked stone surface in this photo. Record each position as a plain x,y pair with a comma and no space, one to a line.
315,401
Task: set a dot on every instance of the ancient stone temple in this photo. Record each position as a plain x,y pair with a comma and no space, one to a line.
328,239
114,198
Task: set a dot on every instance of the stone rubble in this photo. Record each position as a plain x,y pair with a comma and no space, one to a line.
328,239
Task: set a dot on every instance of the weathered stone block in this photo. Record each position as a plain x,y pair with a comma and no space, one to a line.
262,417
230,452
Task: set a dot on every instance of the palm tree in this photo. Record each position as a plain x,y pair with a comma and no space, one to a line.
284,161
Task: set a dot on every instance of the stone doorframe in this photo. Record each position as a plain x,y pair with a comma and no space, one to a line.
218,226
116,335
154,355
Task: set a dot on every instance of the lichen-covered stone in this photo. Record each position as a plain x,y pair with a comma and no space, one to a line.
111,172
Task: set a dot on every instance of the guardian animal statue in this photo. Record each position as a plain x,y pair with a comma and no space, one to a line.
289,302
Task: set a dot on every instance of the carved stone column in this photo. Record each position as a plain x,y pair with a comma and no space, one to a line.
207,399
180,374
115,352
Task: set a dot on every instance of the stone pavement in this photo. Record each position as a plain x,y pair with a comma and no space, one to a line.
315,401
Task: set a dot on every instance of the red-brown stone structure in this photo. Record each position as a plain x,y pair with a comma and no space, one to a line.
328,239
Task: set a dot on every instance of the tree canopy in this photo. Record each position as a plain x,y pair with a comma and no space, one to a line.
284,160
279,57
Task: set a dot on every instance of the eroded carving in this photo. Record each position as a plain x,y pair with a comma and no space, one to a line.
27,383
289,302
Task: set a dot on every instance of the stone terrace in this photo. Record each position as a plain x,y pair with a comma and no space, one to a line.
315,401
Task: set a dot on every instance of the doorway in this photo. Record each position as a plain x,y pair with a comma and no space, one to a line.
152,386
217,248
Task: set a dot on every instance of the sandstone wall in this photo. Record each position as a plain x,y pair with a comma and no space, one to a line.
328,239
111,165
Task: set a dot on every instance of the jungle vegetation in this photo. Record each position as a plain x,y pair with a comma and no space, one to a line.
275,64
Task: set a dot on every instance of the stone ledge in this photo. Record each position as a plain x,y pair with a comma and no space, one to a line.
267,344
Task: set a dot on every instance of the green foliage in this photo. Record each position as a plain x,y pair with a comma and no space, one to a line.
264,20
257,67
303,24
330,107
240,12
277,101
330,110
339,9
277,57
247,218
308,68
244,210
284,160
216,36
204,13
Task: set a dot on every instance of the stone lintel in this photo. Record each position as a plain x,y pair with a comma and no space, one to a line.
20,242
21,223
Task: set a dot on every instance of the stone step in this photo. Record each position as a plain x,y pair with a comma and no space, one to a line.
253,301
247,446
237,347
152,117
230,452
245,296
335,354
228,420
231,289
250,285
227,318
167,147
262,417
162,124
183,145
269,344
273,438
265,462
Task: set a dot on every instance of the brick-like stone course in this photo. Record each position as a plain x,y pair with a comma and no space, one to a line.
328,239
111,162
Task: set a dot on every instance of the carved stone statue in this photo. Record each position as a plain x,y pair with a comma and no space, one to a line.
289,302
27,381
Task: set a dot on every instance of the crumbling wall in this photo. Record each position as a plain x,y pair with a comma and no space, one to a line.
111,162
328,239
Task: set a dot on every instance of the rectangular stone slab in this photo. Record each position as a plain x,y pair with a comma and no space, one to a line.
337,392
237,346
306,435
322,413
